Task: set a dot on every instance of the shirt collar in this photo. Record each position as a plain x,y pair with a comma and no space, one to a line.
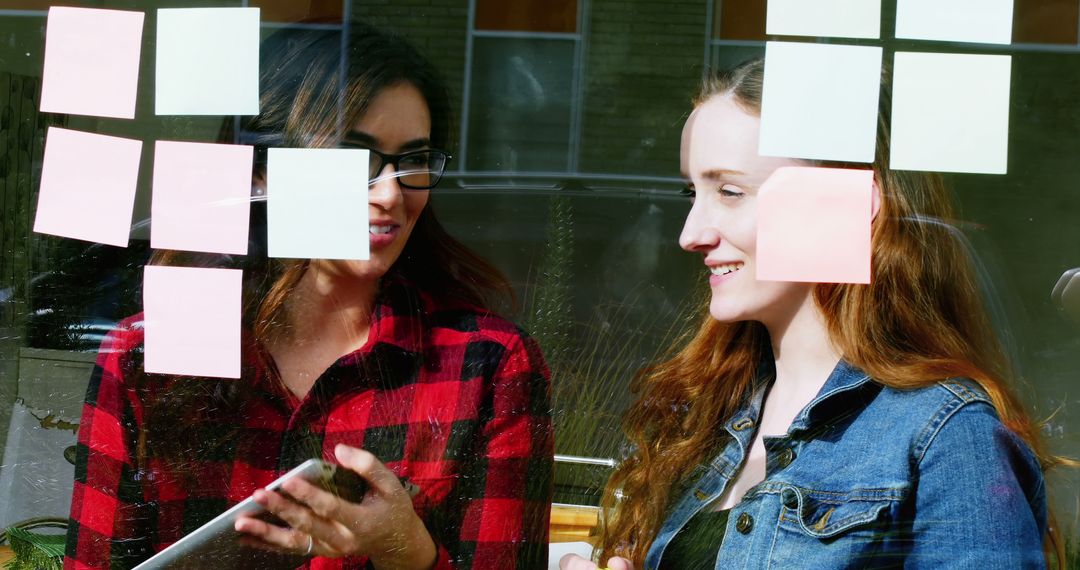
396,336
845,379
398,320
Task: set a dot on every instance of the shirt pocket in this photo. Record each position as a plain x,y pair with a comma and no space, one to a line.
836,529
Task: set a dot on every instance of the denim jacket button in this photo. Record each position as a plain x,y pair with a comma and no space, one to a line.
785,458
744,523
742,424
789,498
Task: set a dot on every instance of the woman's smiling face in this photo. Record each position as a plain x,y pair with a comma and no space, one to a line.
396,121
719,158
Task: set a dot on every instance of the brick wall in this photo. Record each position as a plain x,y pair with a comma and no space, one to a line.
644,60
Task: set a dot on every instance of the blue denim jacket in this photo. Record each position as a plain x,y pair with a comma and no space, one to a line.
871,477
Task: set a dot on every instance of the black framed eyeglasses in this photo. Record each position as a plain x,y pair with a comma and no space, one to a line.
415,169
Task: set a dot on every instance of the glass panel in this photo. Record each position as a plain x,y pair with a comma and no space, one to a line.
519,113
567,186
527,15
596,320
641,65
728,56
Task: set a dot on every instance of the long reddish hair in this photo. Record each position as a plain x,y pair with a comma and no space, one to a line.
920,321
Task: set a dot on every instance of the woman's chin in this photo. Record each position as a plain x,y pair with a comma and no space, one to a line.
725,313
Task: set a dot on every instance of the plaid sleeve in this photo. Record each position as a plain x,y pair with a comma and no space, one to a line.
508,488
108,526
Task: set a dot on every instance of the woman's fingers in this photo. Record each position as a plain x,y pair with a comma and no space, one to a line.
369,467
325,504
286,539
575,562
301,518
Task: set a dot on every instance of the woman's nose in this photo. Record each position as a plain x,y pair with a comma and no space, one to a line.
383,189
699,233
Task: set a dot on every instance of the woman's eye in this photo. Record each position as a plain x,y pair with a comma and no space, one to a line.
688,191
730,192
415,161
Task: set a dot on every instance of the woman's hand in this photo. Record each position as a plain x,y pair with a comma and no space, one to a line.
384,527
575,562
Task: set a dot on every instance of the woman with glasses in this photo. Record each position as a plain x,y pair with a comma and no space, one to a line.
395,367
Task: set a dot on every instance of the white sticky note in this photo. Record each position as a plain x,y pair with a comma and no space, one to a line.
317,203
207,61
192,321
951,112
820,101
91,62
976,21
824,18
201,197
88,184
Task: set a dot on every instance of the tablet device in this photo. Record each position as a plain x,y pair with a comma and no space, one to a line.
217,544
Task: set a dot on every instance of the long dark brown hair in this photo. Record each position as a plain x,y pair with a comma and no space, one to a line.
310,96
920,321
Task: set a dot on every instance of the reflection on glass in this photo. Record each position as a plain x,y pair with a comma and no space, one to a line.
519,115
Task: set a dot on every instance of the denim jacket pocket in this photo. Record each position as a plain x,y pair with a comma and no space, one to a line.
852,528
828,515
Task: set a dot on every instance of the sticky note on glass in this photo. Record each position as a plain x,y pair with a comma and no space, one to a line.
91,62
317,203
814,225
951,112
88,184
192,321
976,21
820,101
207,61
201,197
825,18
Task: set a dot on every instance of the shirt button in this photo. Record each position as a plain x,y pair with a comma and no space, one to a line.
742,424
785,458
744,523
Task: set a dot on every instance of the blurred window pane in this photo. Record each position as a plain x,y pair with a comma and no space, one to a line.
727,56
36,4
520,104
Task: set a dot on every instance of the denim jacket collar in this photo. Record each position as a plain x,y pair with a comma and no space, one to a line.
845,379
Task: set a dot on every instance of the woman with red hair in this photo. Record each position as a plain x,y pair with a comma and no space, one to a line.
823,425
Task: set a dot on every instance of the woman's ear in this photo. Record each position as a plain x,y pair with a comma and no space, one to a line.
875,200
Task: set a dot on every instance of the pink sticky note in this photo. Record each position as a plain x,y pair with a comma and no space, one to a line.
814,225
88,186
91,62
201,195
192,321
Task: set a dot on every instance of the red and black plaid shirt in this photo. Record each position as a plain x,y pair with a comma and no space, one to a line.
459,405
